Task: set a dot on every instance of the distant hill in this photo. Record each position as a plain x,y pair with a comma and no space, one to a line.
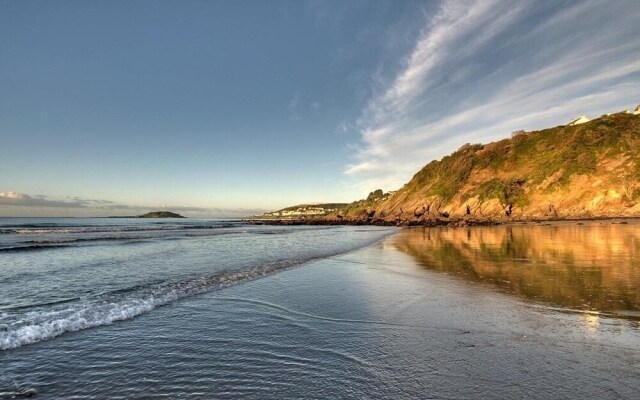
304,210
155,214
586,170
160,214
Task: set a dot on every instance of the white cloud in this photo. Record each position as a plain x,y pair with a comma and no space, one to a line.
480,70
344,127
10,196
15,203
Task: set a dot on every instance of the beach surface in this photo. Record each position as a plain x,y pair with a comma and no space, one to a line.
371,323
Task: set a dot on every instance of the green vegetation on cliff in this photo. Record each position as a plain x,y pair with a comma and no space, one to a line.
591,169
588,170
364,206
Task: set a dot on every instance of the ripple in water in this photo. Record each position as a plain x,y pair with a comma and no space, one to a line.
47,293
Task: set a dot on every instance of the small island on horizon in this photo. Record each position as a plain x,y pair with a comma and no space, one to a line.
153,214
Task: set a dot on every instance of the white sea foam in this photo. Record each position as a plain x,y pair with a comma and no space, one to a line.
23,328
102,229
41,311
40,231
33,231
48,326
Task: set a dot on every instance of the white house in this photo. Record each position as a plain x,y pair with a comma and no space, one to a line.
637,110
580,120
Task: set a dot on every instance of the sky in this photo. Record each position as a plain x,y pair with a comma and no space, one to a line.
229,108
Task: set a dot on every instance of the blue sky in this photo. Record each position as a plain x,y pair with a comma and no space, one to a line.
221,108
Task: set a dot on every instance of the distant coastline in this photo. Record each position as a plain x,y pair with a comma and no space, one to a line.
583,171
442,222
153,214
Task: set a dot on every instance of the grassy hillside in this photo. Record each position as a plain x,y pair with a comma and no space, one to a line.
587,170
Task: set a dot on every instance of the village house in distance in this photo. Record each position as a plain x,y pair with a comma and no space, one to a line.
584,119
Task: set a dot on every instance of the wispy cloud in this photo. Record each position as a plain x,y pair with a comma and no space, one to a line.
294,103
344,127
480,70
13,203
24,200
299,108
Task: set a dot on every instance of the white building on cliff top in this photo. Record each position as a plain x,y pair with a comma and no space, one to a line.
580,120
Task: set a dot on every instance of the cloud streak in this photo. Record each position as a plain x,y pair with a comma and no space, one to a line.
12,202
480,70
24,200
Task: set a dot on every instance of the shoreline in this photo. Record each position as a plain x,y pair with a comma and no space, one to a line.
369,323
430,223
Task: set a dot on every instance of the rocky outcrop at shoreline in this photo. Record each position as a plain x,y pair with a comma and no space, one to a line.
575,172
448,222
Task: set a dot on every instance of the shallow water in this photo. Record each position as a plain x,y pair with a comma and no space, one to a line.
366,323
593,266
62,275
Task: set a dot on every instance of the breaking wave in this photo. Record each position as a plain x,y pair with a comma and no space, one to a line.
124,235
44,322
45,230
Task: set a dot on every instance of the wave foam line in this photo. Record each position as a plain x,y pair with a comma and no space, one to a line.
20,329
102,229
31,247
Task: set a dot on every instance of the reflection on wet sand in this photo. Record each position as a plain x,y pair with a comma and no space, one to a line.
594,266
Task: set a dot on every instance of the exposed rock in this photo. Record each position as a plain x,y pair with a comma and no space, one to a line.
588,170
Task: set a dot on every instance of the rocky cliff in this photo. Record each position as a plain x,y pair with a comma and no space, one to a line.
589,170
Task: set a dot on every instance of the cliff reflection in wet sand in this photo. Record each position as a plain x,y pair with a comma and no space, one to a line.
595,266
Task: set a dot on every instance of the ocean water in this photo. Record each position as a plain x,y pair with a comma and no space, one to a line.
115,308
68,274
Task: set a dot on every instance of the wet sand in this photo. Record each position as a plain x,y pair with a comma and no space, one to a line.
373,323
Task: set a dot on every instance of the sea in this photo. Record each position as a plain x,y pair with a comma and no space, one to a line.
61,275
94,308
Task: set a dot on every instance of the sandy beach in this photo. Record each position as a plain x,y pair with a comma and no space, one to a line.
337,199
371,323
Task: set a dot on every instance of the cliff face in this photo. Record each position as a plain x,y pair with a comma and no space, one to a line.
583,171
